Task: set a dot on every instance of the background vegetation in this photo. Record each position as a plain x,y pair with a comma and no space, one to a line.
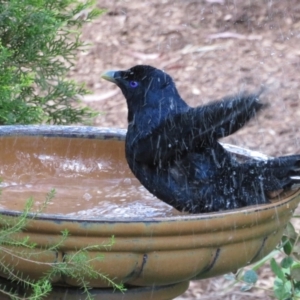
39,40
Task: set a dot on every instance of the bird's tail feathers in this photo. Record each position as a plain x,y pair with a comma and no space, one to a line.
285,170
296,182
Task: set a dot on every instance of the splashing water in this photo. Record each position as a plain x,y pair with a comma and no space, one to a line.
81,197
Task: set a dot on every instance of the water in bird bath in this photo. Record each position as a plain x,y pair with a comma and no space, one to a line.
91,179
86,198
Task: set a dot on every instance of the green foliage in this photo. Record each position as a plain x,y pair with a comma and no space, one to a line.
39,40
286,273
73,265
250,277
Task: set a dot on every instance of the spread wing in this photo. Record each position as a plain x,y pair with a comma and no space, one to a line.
194,128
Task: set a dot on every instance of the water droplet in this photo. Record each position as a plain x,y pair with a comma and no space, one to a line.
87,196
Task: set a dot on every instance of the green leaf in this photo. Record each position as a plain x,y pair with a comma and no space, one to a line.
230,276
246,287
286,262
295,272
297,287
287,245
250,276
277,270
282,290
290,231
296,249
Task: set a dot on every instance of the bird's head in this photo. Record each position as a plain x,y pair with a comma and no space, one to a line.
146,89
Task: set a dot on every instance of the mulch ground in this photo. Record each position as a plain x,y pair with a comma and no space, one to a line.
211,48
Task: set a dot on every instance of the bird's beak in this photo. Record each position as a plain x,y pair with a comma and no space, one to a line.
110,76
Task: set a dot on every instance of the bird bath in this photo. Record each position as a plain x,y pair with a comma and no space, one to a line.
157,250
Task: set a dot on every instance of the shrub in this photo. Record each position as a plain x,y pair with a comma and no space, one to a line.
39,40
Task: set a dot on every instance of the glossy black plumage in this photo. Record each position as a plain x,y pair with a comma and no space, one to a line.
173,149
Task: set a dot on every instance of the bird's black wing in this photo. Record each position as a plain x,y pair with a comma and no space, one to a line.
222,118
196,127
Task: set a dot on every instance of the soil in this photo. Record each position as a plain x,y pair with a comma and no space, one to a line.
212,49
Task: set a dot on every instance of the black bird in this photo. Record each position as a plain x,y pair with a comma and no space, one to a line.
173,149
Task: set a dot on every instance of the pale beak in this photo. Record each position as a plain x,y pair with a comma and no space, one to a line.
110,76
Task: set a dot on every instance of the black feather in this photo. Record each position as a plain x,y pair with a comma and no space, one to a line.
173,148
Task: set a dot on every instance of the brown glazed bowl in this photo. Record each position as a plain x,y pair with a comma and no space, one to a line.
148,251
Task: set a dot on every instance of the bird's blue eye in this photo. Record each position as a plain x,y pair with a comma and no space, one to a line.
133,84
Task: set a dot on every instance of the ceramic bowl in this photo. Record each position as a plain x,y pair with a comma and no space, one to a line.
148,250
